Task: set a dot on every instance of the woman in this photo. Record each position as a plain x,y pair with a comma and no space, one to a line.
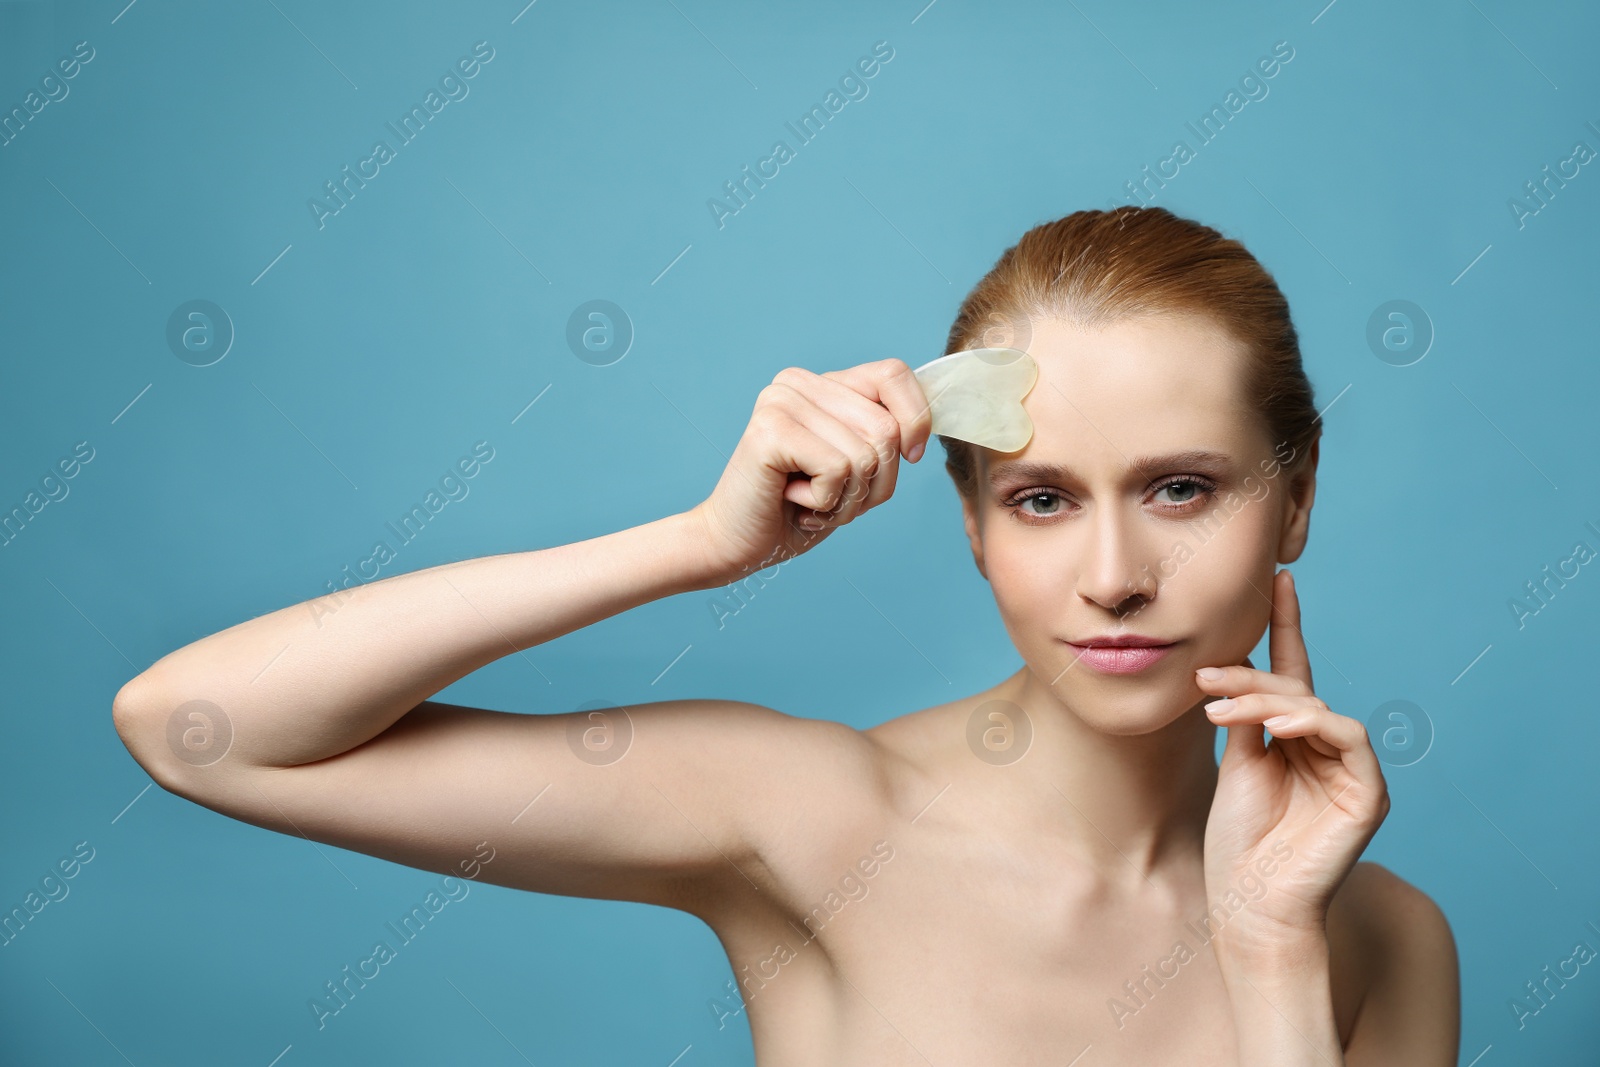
1054,870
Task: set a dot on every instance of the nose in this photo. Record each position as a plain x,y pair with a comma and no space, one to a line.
1114,573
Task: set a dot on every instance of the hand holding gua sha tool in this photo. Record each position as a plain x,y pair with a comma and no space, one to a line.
976,396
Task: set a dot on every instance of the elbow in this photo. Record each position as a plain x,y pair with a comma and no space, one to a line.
125,713
134,717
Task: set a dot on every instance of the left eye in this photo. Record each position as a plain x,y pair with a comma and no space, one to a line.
1186,491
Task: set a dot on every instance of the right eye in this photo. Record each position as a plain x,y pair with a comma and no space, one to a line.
1047,503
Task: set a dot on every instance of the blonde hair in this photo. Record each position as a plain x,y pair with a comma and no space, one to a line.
1095,267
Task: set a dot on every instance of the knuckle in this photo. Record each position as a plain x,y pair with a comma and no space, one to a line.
885,431
769,420
775,394
836,466
861,485
793,377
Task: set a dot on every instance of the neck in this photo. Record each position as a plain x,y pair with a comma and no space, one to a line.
1138,800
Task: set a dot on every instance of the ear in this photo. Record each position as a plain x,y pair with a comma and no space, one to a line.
1297,509
969,518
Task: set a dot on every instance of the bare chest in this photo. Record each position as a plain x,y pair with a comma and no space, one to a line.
983,957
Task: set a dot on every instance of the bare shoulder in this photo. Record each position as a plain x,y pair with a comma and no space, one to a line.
813,796
1394,958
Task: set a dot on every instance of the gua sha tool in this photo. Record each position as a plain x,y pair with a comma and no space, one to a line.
976,396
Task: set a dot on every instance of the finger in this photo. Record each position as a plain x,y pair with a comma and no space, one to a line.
1287,646
891,383
1335,736
1244,742
858,427
1236,681
864,482
797,449
1259,707
1307,717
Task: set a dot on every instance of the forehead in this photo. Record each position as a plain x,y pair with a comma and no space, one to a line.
1158,383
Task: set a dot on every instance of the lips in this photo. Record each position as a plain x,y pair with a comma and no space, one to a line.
1121,654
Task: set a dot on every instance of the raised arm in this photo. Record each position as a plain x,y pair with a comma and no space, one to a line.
318,723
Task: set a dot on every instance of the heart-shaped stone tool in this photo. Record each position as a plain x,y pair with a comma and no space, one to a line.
976,395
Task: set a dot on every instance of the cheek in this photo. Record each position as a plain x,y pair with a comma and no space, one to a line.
1225,587
1033,589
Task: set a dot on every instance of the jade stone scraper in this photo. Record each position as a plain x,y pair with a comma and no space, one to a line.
976,396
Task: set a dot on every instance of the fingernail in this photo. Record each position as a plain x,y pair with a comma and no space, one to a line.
1276,721
1219,707
1211,674
916,451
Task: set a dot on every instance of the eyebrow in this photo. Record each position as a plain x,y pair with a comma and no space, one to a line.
1146,465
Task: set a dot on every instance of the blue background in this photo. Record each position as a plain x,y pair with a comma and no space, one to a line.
372,352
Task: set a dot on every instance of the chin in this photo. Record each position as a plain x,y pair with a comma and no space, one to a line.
1126,704
1130,718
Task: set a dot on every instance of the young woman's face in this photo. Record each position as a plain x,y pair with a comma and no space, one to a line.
1079,541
